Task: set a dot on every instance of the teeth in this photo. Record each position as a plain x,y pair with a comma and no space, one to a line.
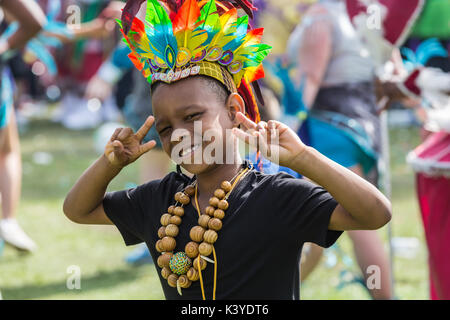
190,150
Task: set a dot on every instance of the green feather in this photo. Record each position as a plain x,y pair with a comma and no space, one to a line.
209,19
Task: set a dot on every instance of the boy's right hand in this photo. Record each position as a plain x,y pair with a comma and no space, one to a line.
125,146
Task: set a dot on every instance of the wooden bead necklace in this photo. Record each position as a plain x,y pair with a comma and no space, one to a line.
178,268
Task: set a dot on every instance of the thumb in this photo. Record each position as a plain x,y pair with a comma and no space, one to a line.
117,147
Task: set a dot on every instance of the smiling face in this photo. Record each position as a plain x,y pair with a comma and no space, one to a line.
191,115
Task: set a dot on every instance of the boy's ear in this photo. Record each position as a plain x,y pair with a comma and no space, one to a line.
235,104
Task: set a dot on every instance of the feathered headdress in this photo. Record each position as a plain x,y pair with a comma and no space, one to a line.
182,38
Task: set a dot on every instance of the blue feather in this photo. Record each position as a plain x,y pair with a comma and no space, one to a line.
240,33
158,27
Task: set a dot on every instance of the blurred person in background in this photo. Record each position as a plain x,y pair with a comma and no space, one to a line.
81,57
426,89
424,84
31,19
338,75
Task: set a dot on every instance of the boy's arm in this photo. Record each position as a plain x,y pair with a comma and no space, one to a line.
84,202
361,205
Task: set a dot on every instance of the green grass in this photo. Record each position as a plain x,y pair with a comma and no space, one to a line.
99,250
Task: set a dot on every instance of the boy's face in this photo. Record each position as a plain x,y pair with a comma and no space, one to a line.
194,123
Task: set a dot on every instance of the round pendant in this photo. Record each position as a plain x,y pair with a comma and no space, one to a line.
235,68
183,57
180,263
199,57
227,58
214,54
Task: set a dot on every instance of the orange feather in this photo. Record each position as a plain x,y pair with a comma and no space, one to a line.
186,17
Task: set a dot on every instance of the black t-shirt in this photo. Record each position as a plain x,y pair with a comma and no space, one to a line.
259,246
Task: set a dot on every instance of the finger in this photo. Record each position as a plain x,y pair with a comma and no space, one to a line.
245,136
124,133
249,124
262,143
146,147
262,126
271,125
142,132
115,134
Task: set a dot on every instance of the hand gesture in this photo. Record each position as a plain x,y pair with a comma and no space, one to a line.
276,141
125,146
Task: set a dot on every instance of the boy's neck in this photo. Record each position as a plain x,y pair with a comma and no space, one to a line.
209,181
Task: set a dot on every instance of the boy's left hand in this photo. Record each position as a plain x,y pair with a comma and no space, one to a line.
276,141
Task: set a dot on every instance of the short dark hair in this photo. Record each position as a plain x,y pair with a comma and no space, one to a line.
214,85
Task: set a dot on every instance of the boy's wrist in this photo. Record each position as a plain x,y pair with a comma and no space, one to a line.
111,167
301,163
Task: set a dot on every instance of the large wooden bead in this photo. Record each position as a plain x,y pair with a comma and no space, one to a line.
162,232
219,193
172,280
223,204
168,244
178,211
196,233
210,210
210,236
214,224
203,263
163,260
172,230
191,249
226,186
184,199
214,201
190,191
170,210
193,274
184,282
165,272
158,246
205,249
203,220
176,220
165,219
178,196
219,214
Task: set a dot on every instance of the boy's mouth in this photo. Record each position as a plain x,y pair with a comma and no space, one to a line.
186,152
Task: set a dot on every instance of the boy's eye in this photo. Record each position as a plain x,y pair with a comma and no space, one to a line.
162,131
193,116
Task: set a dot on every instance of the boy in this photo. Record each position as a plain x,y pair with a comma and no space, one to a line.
260,225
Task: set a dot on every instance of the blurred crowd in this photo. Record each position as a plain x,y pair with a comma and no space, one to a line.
329,76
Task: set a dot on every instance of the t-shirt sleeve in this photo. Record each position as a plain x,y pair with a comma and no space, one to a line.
306,211
124,210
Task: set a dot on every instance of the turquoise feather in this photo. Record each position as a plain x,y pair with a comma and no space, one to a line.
240,34
158,28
